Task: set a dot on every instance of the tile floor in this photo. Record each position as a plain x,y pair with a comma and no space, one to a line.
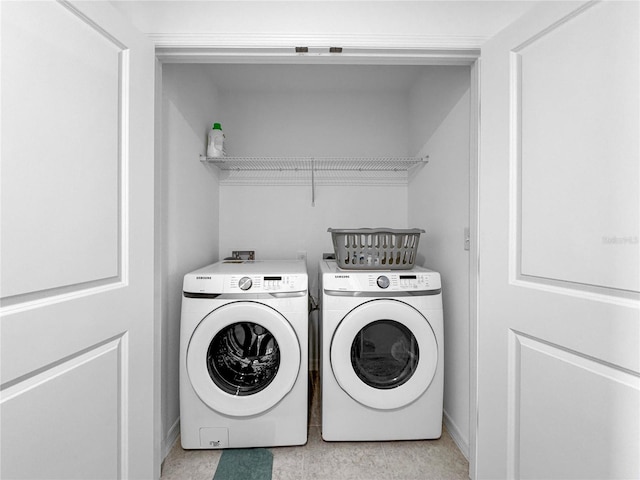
320,460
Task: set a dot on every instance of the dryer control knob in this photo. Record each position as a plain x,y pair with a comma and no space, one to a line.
245,283
383,282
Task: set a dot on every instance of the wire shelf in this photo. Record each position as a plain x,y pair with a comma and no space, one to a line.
319,164
315,170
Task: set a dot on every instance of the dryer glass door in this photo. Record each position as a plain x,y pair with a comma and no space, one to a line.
384,354
243,358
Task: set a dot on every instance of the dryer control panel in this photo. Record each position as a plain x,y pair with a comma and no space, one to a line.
382,281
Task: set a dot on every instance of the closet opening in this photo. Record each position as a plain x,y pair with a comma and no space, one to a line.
318,107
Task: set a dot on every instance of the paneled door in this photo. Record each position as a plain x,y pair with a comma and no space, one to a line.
77,375
559,327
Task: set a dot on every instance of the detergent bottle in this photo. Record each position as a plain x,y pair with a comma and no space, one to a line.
215,146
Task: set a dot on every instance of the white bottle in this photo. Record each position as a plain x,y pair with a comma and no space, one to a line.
215,147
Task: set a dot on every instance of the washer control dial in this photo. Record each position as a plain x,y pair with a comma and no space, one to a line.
383,281
245,283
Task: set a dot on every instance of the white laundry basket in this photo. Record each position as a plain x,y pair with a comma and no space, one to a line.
375,248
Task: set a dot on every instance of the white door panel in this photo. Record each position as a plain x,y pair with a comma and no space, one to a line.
559,329
577,138
77,235
63,412
589,406
61,137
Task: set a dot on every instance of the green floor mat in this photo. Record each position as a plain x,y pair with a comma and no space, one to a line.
245,464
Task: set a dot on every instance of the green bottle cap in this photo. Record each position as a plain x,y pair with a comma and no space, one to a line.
216,126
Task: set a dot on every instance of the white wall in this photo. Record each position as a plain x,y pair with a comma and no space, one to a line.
329,123
432,97
189,236
439,202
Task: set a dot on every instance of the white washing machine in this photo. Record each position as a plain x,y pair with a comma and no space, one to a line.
243,355
381,365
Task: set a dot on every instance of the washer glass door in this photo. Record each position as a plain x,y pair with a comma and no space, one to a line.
243,358
384,354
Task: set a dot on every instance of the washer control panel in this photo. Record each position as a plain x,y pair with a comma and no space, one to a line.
248,278
264,283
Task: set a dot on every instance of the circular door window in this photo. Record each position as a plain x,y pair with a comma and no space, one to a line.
384,354
243,358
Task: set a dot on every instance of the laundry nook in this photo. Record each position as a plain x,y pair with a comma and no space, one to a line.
320,240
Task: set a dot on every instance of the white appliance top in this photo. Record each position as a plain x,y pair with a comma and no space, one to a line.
381,281
248,276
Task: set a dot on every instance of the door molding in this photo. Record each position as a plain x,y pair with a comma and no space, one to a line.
280,48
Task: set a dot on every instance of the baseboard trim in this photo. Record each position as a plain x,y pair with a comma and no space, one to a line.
456,434
169,441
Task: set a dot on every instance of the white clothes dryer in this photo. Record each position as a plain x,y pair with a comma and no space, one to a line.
381,365
244,355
